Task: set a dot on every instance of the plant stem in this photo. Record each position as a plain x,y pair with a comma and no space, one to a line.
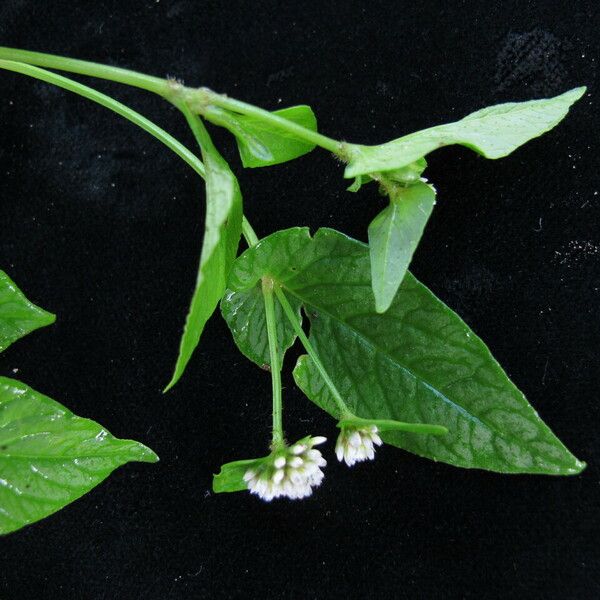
121,109
166,89
249,233
157,85
267,289
345,412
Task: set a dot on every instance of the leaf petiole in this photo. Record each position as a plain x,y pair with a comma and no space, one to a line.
391,425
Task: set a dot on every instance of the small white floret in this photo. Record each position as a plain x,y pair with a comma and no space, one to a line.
293,475
356,444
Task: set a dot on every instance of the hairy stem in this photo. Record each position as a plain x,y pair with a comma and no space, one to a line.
345,412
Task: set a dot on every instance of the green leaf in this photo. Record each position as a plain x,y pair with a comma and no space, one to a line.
244,312
418,362
261,144
231,476
493,132
394,235
358,182
18,316
49,456
222,231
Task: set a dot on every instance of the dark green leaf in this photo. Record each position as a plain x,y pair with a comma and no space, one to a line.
418,362
222,231
50,457
245,314
493,132
261,144
393,237
18,316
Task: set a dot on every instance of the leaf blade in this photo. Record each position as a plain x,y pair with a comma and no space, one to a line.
493,132
418,362
244,313
261,144
394,235
222,232
49,457
18,316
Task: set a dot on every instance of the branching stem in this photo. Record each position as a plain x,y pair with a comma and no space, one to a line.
170,90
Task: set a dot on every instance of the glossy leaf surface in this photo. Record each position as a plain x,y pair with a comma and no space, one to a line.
49,456
261,144
222,231
418,362
244,312
18,316
394,235
493,132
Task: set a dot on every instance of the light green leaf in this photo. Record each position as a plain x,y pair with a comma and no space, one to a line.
358,182
261,144
18,316
222,231
493,132
244,312
394,235
49,456
418,362
231,476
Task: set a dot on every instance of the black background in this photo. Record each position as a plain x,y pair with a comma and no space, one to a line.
102,225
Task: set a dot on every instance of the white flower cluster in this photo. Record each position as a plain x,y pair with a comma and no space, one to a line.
355,444
291,472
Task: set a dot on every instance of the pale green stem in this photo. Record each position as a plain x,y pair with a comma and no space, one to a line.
390,425
91,94
157,85
168,90
249,233
345,412
267,289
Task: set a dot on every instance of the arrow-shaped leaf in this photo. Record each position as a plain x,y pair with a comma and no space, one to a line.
418,362
18,316
49,456
493,132
394,235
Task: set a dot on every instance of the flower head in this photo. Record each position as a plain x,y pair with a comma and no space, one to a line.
355,444
291,471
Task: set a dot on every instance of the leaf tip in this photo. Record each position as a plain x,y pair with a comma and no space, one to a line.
580,466
577,92
174,379
148,455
